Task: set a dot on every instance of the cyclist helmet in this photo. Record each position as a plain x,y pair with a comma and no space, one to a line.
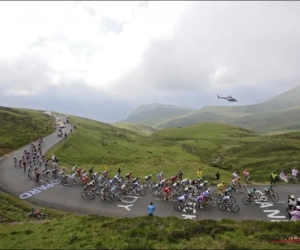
292,197
35,168
298,199
223,182
208,190
185,195
254,189
63,169
205,182
271,186
226,193
149,175
15,157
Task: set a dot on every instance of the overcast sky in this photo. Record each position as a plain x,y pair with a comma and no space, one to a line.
102,59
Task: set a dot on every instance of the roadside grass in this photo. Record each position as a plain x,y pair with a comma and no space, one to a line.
64,230
19,127
210,146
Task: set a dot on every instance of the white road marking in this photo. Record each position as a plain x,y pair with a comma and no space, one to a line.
126,207
273,214
187,216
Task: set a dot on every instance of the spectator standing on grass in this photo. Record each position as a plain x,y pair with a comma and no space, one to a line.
273,178
179,174
119,171
151,209
217,177
199,173
246,175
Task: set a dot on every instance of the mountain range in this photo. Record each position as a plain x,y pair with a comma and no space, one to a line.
281,113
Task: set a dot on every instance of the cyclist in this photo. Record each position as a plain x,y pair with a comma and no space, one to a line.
251,192
163,182
221,187
182,199
298,202
173,179
129,175
268,190
226,200
159,176
185,181
234,175
166,190
205,195
15,160
200,200
37,175
148,177
235,180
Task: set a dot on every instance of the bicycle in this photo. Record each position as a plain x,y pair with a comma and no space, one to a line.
219,200
229,204
184,206
254,199
272,196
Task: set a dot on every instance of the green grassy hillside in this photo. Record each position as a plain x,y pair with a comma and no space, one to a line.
137,128
210,146
97,144
70,231
20,126
154,113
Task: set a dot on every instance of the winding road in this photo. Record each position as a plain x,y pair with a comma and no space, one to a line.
14,181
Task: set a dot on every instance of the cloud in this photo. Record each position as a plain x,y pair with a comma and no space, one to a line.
131,53
221,46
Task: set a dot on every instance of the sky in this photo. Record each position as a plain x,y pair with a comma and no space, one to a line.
103,59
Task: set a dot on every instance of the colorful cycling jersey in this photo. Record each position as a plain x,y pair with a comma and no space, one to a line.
220,186
226,198
181,198
166,190
251,191
199,198
206,193
159,176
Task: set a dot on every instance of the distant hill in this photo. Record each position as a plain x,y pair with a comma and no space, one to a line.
154,113
279,113
137,128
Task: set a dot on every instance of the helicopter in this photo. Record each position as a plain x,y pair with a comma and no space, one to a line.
228,98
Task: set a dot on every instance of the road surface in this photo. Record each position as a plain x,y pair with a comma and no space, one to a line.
14,181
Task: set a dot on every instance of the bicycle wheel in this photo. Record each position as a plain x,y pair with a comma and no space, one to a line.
242,189
145,185
207,206
109,199
222,207
188,209
215,193
83,195
212,203
219,200
234,208
263,198
91,196
155,192
142,192
246,201
275,197
177,207
70,184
